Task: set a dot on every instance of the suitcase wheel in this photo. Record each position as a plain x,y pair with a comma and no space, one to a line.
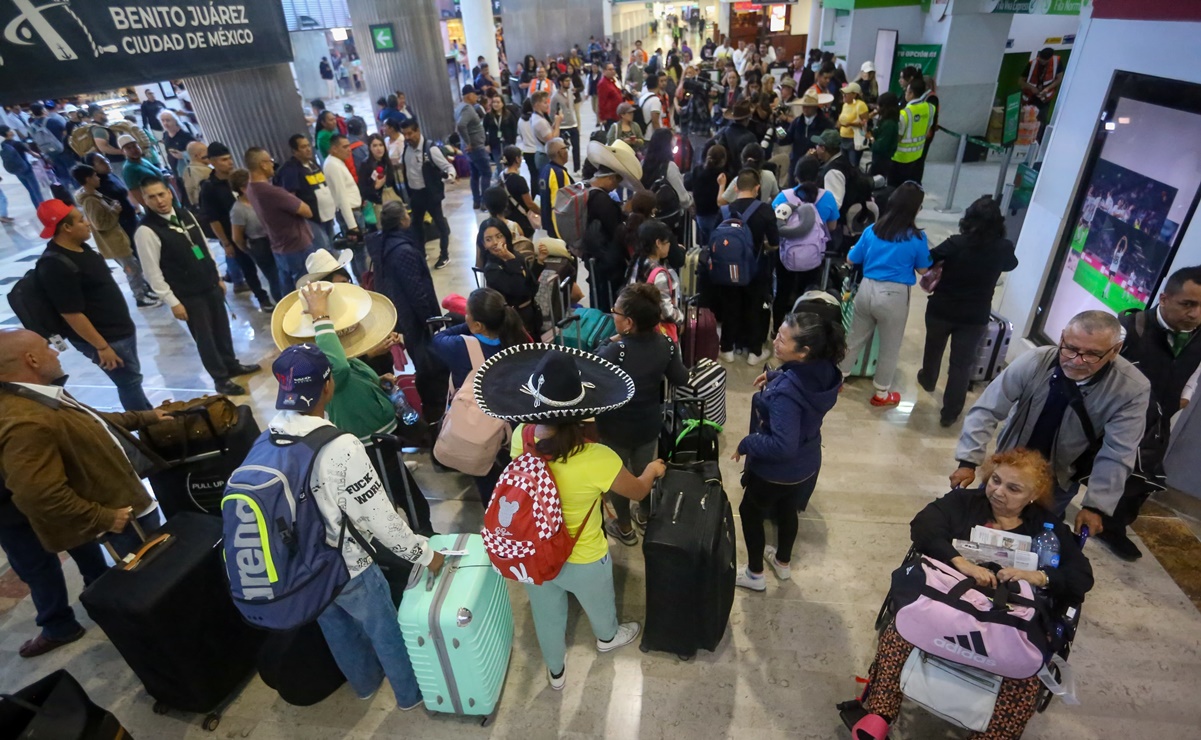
160,708
685,658
644,648
210,722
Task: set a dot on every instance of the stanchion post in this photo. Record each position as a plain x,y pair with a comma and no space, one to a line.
949,205
1003,175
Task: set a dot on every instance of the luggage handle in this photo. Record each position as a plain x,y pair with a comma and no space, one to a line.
391,439
149,546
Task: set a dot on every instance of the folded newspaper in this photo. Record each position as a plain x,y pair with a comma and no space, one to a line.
994,546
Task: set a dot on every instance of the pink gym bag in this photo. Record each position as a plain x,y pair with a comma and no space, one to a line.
944,613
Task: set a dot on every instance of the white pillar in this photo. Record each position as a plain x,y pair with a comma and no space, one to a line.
307,49
607,16
480,30
723,18
815,25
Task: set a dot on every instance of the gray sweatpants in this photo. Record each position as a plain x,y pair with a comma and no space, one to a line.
882,307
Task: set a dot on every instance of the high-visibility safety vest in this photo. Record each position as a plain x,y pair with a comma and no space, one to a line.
916,119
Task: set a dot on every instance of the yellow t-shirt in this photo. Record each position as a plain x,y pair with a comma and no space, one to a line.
581,481
851,112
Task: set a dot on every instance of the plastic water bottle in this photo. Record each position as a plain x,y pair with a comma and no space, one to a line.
1046,545
405,411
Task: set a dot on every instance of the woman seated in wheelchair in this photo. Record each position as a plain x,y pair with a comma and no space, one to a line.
1015,498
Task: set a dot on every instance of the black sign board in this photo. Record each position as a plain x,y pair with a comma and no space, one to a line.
52,48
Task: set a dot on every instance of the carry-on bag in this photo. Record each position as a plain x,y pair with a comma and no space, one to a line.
592,326
469,440
458,628
298,664
699,339
195,426
55,707
707,383
690,554
170,615
943,612
196,482
994,348
687,436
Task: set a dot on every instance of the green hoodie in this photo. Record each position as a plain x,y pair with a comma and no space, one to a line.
359,405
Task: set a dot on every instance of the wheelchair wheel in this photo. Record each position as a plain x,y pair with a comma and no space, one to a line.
1044,694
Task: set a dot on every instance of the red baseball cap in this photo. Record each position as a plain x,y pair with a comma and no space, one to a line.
50,212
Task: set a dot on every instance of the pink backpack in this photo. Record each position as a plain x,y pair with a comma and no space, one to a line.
799,254
944,613
469,438
667,328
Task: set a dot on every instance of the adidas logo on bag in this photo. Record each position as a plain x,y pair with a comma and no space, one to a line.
969,647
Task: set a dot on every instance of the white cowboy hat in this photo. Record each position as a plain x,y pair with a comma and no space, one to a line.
362,319
321,263
809,98
618,158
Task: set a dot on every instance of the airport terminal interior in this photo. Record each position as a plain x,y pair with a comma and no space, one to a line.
1050,106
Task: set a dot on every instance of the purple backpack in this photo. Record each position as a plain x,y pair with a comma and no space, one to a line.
944,613
799,254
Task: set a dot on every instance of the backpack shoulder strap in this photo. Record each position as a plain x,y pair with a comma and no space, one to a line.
474,351
62,258
527,439
754,206
321,436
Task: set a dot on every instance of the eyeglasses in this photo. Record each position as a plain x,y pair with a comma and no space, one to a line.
915,184
1088,358
615,312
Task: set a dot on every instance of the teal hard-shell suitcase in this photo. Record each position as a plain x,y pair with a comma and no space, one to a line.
458,628
869,356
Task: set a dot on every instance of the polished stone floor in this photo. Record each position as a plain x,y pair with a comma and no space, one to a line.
790,653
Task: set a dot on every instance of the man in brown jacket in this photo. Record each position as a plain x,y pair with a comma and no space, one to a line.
73,471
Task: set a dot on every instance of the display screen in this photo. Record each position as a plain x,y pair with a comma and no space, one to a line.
1139,191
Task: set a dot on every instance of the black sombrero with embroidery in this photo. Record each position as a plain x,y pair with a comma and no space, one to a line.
540,383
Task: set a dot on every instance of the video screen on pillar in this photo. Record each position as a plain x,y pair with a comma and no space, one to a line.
1142,188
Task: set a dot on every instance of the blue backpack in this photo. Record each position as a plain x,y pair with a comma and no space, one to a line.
732,257
282,574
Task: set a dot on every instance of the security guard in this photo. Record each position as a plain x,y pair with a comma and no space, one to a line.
916,118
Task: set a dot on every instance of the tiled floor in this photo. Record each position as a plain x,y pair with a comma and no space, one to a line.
790,653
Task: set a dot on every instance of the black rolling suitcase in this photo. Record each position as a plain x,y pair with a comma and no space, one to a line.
299,665
690,562
406,497
171,617
197,482
685,436
56,707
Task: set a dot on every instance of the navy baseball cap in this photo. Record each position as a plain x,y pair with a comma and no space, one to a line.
301,371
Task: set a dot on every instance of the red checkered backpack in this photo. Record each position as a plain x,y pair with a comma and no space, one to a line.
524,532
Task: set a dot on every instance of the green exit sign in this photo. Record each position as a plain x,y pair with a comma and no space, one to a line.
383,38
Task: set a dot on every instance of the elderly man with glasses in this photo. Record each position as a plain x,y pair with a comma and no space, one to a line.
1080,404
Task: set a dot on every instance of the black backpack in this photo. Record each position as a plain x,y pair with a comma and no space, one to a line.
639,116
668,208
32,305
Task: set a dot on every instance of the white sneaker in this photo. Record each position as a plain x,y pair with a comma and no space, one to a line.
746,580
726,356
625,635
757,359
557,683
783,572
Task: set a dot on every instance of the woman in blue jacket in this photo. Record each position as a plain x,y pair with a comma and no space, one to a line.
783,449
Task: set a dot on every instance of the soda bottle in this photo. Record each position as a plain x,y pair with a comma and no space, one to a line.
1046,545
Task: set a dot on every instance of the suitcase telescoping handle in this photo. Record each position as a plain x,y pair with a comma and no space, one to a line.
133,560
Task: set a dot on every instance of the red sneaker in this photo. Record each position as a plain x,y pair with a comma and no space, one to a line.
892,399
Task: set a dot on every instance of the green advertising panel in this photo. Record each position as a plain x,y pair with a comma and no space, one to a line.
924,56
1035,7
1013,114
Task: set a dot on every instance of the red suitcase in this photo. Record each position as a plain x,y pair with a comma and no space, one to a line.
699,338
